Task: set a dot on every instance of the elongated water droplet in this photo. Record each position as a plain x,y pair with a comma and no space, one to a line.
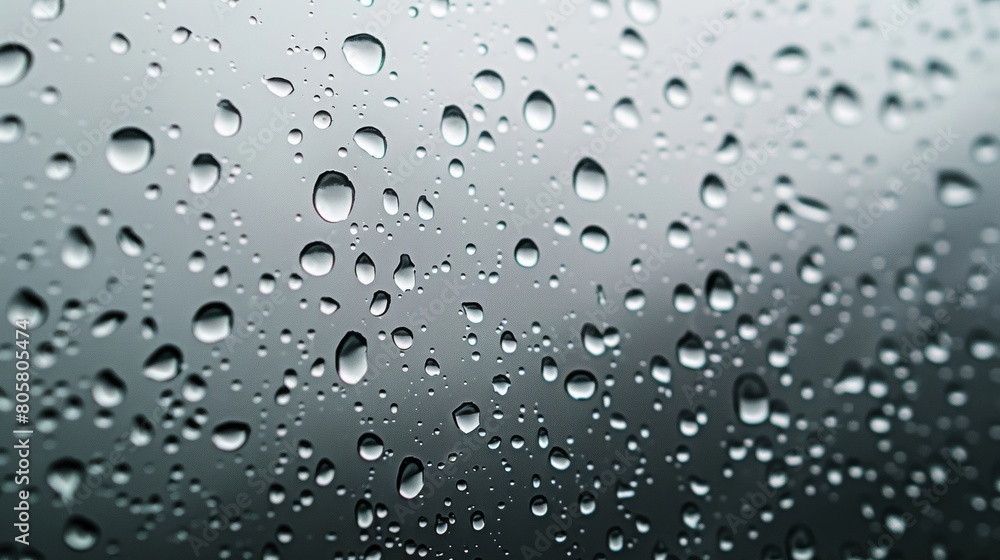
26,305
489,84
227,119
279,86
204,174
107,323
742,86
410,480
526,253
843,106
751,398
956,189
405,275
230,435
589,180
539,112
371,140
721,293
352,358
78,249
15,62
364,269
108,390
163,364
677,93
454,126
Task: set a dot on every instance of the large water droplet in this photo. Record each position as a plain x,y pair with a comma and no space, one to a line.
691,351
26,305
333,196
405,275
713,192
454,126
742,86
15,61
589,180
539,112
230,435
595,239
677,93
364,269
213,322
489,84
410,480
279,86
370,447
466,417
721,293
81,534
163,364
129,150
843,106
643,11
526,253
751,398
108,390
204,174
956,189
78,249
371,140
364,53
227,119
352,358
317,258
581,385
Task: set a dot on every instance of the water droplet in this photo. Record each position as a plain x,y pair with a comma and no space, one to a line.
213,322
204,174
721,294
78,249
405,275
279,86
371,140
489,84
333,196
466,417
410,480
581,385
352,358
843,106
108,390
660,369
791,60
15,61
364,269
227,119
454,126
691,351
163,364
626,114
317,258
643,11
594,239
589,180
526,253
539,112
985,150
230,435
46,10
742,86
713,192
107,323
120,44
81,534
956,189
364,53
26,305
677,93
370,447
325,472
129,150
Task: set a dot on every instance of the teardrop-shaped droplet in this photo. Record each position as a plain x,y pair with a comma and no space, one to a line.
279,86
589,180
364,269
108,389
325,472
213,322
371,140
163,364
713,192
410,480
205,173
539,112
129,150
691,351
78,249
352,358
751,398
333,196
15,62
677,93
405,275
227,119
526,253
364,53
626,114
230,435
107,323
